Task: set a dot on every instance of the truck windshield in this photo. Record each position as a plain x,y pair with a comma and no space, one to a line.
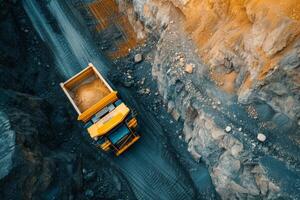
119,134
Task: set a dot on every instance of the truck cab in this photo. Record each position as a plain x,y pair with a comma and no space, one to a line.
109,121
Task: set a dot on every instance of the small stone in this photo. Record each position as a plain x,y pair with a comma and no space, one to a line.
181,61
90,176
261,137
189,68
228,129
144,91
171,106
138,58
175,115
273,187
219,102
240,129
180,137
147,91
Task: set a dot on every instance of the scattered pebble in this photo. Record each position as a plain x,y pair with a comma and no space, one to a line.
261,137
240,129
138,58
228,129
147,91
189,68
142,81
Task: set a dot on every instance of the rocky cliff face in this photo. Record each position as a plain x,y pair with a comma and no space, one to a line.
230,70
251,48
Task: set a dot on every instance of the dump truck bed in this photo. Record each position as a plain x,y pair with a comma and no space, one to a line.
86,89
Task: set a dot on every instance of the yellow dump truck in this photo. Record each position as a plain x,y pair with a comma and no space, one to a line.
109,122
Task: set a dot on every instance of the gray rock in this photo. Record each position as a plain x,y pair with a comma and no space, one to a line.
261,137
138,58
263,184
217,134
189,68
7,146
279,89
236,150
291,61
171,106
175,114
228,129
